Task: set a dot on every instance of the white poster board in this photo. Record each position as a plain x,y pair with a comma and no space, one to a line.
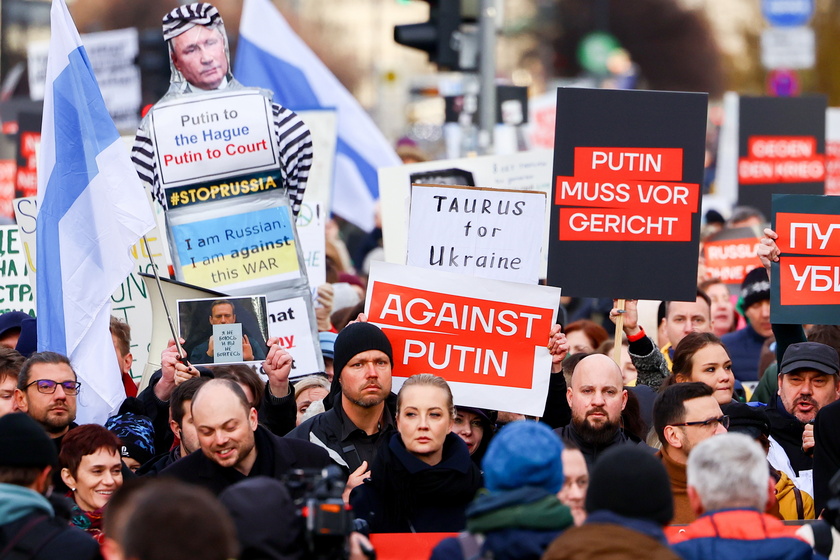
488,233
530,171
288,320
16,293
487,338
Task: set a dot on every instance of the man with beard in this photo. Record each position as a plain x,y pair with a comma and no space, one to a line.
360,418
596,397
685,414
46,390
809,379
234,446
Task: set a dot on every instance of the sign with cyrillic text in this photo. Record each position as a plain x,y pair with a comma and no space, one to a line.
487,338
805,283
628,169
490,233
781,148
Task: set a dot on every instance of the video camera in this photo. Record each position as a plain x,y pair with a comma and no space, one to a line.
317,495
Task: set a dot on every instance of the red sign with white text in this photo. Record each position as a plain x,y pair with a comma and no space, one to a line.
781,159
638,191
487,338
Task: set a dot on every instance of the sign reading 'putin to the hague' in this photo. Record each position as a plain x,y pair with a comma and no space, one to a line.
628,169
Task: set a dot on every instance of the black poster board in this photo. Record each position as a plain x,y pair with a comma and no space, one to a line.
805,283
628,169
781,148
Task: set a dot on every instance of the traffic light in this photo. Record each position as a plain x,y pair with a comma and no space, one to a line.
435,36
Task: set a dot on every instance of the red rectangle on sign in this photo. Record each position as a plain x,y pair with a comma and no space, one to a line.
808,234
461,339
730,260
754,171
810,280
584,224
782,147
662,164
574,191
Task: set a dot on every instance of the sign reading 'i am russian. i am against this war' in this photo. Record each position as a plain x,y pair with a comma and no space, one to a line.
628,166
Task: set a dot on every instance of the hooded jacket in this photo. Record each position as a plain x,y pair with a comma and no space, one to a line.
21,508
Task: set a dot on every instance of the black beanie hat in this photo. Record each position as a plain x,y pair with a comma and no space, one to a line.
754,288
630,481
354,339
24,443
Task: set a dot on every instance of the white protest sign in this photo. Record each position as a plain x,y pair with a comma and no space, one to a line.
480,232
323,124
288,320
16,292
227,343
113,56
130,302
529,171
487,338
213,136
311,225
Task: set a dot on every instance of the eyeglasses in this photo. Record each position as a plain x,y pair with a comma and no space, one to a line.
47,386
711,422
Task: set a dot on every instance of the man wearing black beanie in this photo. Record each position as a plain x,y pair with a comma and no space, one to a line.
29,524
628,503
361,418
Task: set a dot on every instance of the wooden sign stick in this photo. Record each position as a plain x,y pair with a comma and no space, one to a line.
619,332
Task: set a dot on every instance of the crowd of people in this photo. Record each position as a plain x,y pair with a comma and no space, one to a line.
710,437
676,454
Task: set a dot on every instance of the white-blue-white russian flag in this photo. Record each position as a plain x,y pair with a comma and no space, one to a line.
269,54
92,209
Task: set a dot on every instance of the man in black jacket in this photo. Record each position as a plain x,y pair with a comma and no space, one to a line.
234,446
809,379
29,524
361,417
596,396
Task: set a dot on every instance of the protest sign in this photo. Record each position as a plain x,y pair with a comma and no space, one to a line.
236,246
488,233
805,283
628,166
311,224
211,137
292,321
832,151
113,57
16,292
781,148
530,171
227,344
487,338
323,124
198,320
731,254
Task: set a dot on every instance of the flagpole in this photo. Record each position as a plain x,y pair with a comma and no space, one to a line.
181,353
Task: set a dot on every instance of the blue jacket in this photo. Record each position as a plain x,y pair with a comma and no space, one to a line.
744,347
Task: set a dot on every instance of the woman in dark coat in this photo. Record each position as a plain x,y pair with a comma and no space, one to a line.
423,480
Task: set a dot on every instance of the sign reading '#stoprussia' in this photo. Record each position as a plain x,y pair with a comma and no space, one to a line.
213,136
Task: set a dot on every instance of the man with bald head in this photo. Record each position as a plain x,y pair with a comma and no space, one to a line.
233,444
597,397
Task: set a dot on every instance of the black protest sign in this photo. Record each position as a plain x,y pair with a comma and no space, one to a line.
805,283
781,148
628,168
